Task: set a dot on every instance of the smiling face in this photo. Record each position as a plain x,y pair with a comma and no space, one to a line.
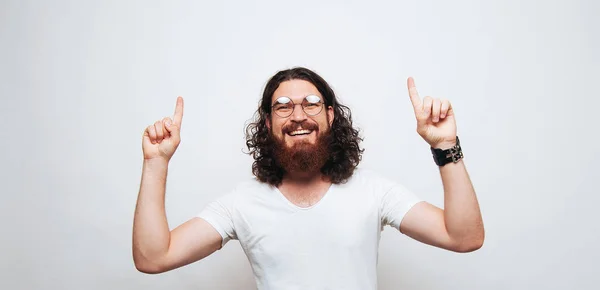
331,144
299,127
301,139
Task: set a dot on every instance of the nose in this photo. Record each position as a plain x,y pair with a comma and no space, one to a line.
298,114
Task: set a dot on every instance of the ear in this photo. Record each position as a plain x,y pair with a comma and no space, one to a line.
330,115
268,122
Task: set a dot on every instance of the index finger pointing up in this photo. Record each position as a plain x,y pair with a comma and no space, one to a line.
414,95
178,111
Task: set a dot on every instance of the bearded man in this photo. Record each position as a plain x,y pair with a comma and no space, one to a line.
310,219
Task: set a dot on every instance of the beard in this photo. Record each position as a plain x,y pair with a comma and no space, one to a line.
302,156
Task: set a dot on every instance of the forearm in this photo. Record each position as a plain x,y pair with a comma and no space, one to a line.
151,233
462,215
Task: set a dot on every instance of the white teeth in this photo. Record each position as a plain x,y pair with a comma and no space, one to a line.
298,132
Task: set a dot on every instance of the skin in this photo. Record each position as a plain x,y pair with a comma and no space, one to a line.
301,188
296,90
458,227
156,249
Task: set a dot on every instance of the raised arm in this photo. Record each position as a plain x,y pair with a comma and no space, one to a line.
155,248
459,226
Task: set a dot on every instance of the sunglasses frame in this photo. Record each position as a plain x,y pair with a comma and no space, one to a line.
304,100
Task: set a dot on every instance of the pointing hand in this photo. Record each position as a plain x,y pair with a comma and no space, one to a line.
435,118
161,139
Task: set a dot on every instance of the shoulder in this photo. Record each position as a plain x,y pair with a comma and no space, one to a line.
377,184
251,187
370,178
245,191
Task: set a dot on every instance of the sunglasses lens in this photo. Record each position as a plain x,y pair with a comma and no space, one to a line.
312,105
313,99
283,107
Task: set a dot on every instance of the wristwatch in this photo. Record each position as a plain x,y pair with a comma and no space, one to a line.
445,156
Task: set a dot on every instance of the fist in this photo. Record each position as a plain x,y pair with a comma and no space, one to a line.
161,139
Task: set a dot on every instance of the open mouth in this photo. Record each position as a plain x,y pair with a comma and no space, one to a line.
300,132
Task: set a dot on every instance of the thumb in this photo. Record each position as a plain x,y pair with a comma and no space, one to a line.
172,128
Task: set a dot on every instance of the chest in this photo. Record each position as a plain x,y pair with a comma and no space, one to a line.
337,225
302,196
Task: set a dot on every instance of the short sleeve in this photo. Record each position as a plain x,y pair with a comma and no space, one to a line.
395,203
219,214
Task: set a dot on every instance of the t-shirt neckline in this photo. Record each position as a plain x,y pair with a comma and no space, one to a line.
291,204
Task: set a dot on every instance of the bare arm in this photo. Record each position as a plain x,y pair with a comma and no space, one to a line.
155,248
459,226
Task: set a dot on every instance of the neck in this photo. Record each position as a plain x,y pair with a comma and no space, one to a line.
304,189
304,178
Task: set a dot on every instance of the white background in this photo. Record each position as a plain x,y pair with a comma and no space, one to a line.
80,81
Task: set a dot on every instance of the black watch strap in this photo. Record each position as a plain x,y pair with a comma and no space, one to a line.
445,156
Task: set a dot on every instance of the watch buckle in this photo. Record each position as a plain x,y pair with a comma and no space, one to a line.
455,154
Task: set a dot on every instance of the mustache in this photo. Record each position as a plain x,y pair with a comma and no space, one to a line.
304,125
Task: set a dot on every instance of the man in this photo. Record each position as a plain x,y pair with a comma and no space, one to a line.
311,219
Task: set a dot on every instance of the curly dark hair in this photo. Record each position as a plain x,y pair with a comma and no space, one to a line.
344,150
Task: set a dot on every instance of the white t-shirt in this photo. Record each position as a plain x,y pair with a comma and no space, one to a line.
330,245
